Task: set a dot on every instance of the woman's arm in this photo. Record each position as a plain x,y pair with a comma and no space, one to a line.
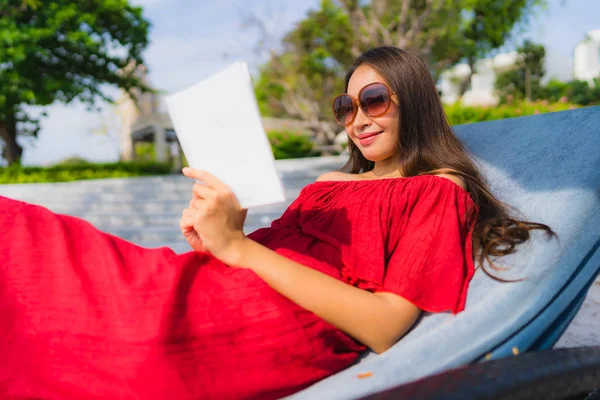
214,222
378,320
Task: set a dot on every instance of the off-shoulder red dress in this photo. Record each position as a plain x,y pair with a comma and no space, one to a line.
87,315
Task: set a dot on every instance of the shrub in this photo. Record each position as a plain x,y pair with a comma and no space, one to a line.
576,91
74,161
145,151
581,92
459,114
288,144
64,172
554,90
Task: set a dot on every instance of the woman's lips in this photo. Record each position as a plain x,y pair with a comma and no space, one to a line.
368,138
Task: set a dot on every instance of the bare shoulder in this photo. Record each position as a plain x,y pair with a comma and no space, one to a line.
456,179
332,176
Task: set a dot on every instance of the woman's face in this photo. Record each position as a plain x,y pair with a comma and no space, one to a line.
382,145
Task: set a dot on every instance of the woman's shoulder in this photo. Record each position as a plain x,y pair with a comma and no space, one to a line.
456,179
336,176
342,176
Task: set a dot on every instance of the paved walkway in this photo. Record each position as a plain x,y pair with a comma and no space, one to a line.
146,211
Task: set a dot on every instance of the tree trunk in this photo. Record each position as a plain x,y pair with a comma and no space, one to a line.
464,85
527,83
12,151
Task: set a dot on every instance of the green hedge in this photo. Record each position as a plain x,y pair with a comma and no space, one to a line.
459,114
576,91
287,144
73,170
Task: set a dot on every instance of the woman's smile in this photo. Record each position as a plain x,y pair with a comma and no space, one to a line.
368,137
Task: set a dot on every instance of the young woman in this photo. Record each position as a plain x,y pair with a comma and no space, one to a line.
349,266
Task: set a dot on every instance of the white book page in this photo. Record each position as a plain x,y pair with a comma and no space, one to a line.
218,124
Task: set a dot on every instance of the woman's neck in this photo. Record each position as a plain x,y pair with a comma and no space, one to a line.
383,170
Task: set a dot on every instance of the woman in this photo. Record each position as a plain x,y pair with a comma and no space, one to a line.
350,265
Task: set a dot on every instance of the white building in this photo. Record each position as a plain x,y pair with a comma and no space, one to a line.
587,57
584,65
481,89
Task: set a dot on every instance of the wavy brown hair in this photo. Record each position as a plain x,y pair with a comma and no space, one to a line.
427,145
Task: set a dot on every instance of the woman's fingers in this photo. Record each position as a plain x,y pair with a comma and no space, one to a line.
202,192
212,180
214,191
188,212
188,217
187,225
205,176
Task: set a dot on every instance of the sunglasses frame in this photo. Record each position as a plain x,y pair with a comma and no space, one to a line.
356,103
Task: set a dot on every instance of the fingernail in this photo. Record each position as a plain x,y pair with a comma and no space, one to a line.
185,170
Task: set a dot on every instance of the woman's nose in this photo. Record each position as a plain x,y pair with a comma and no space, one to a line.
361,120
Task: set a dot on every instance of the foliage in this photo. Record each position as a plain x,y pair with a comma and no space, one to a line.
301,80
286,144
74,161
575,91
459,114
487,25
524,81
268,95
145,151
554,90
83,170
59,50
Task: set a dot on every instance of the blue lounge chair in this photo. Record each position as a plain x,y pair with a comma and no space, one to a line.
548,167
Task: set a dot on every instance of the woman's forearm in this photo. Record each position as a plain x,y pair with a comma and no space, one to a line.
368,318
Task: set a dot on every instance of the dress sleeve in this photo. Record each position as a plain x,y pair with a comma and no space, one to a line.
429,259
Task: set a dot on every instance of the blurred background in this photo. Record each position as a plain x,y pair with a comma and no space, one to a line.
83,82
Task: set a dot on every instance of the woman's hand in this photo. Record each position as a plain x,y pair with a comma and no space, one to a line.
214,220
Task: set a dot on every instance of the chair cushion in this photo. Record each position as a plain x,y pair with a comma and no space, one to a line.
548,167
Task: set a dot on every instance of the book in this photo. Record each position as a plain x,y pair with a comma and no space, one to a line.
220,130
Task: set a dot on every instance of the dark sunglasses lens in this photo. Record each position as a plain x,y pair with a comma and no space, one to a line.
343,109
374,100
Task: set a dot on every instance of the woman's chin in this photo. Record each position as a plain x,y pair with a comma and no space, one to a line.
374,155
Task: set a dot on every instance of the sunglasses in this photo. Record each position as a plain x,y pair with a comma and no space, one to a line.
374,100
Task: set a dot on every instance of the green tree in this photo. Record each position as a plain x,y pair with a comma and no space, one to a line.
488,24
524,81
301,80
59,50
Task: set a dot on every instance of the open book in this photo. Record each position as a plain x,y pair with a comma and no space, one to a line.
220,130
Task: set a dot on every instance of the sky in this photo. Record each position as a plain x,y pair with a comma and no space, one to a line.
192,39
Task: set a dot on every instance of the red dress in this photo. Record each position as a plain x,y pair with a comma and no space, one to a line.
87,315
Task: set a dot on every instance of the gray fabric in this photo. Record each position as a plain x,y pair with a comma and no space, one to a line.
548,167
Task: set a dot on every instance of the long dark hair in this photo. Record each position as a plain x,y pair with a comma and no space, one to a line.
427,145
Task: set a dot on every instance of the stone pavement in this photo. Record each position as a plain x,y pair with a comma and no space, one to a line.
146,211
